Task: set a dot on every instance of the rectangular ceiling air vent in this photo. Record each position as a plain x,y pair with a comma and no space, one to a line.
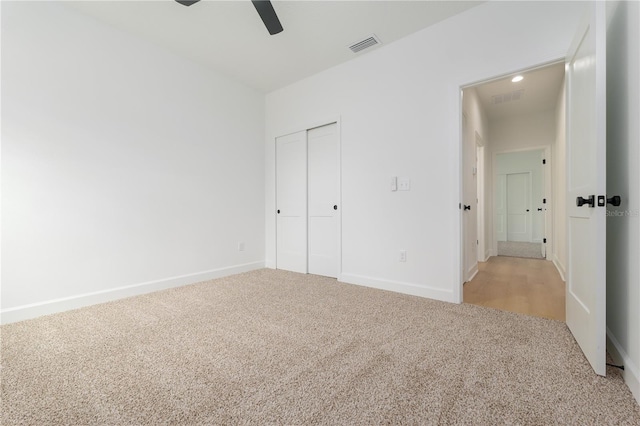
359,46
507,97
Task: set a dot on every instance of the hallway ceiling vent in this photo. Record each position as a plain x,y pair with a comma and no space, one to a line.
516,95
359,46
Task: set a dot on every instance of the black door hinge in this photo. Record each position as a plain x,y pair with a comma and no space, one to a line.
544,161
544,240
544,201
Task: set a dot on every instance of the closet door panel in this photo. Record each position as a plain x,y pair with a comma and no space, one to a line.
323,193
291,202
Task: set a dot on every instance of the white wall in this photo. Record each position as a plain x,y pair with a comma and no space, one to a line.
559,164
124,168
400,114
623,178
523,132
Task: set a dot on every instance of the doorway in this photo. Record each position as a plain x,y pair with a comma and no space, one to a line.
520,196
519,121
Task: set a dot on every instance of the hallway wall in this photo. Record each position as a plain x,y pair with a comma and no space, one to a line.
559,177
479,124
623,178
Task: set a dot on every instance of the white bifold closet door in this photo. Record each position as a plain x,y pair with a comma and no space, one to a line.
307,201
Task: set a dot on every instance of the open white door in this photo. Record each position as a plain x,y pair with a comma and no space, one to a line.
586,185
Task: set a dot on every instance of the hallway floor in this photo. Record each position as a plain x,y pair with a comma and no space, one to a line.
527,286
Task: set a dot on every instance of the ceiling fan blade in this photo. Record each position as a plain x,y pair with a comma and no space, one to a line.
268,15
187,2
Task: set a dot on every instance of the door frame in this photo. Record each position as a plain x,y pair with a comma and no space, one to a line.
481,193
305,127
458,291
547,231
467,259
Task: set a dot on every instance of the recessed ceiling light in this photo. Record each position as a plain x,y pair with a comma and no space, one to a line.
517,78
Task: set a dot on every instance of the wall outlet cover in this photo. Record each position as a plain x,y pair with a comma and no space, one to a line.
404,184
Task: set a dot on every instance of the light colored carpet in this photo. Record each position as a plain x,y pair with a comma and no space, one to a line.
274,347
519,249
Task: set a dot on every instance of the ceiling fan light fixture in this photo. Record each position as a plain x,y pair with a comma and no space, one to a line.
187,2
268,15
263,7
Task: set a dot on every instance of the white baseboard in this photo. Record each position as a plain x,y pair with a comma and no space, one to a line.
560,267
491,253
620,357
399,287
472,272
20,313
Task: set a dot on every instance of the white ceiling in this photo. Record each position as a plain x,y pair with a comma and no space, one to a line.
229,36
540,90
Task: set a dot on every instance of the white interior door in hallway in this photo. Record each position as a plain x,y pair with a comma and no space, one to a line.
518,207
307,201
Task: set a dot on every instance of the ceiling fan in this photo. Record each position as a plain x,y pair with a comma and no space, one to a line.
265,10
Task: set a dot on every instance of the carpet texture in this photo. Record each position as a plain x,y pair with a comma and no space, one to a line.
519,249
274,347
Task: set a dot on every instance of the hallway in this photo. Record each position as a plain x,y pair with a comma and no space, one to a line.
527,286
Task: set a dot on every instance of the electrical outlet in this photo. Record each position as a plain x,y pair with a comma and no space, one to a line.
403,255
404,184
241,246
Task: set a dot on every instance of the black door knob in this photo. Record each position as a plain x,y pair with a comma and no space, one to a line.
591,201
278,211
527,209
539,210
466,207
614,201
335,207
